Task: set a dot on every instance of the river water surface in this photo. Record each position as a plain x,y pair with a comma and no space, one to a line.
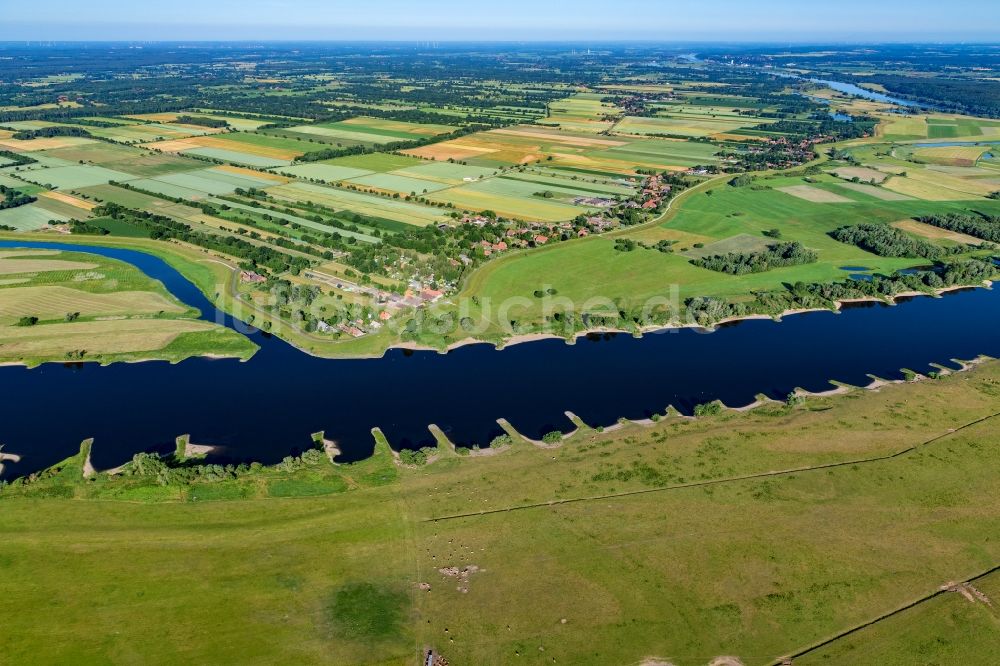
267,407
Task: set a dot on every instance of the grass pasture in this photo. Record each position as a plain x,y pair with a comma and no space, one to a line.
813,194
585,269
120,314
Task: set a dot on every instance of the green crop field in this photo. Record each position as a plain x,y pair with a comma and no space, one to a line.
238,157
380,162
682,124
327,172
366,204
71,177
396,183
28,218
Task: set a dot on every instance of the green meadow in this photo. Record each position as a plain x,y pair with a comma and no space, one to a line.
681,541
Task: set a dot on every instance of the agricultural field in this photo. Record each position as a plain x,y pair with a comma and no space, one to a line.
253,150
673,571
367,204
610,154
583,112
58,306
369,131
684,124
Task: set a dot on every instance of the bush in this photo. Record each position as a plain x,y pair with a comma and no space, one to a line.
552,437
707,409
413,458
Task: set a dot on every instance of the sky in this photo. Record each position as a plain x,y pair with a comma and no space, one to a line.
507,20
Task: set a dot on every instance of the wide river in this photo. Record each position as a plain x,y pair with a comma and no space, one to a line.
267,407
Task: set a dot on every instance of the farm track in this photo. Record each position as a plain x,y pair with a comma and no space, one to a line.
715,482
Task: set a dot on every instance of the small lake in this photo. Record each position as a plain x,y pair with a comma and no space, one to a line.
266,408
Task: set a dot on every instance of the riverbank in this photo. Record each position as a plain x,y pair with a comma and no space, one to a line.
659,328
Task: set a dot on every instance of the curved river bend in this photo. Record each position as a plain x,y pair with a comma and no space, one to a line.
267,407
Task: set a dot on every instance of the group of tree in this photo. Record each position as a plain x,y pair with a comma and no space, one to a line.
11,158
886,241
12,198
742,263
48,132
707,310
201,121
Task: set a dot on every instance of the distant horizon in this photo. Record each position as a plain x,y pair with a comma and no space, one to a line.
518,21
554,42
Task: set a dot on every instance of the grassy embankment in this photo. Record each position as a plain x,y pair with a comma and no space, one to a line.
683,540
66,306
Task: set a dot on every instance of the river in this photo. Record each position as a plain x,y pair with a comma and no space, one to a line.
266,408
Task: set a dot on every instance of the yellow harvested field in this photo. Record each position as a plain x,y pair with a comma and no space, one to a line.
68,199
6,134
907,126
242,171
44,143
167,117
569,140
172,145
96,337
9,266
47,302
935,233
926,191
813,194
953,155
937,186
449,150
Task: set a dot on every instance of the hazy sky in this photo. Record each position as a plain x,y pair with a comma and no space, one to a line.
470,20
